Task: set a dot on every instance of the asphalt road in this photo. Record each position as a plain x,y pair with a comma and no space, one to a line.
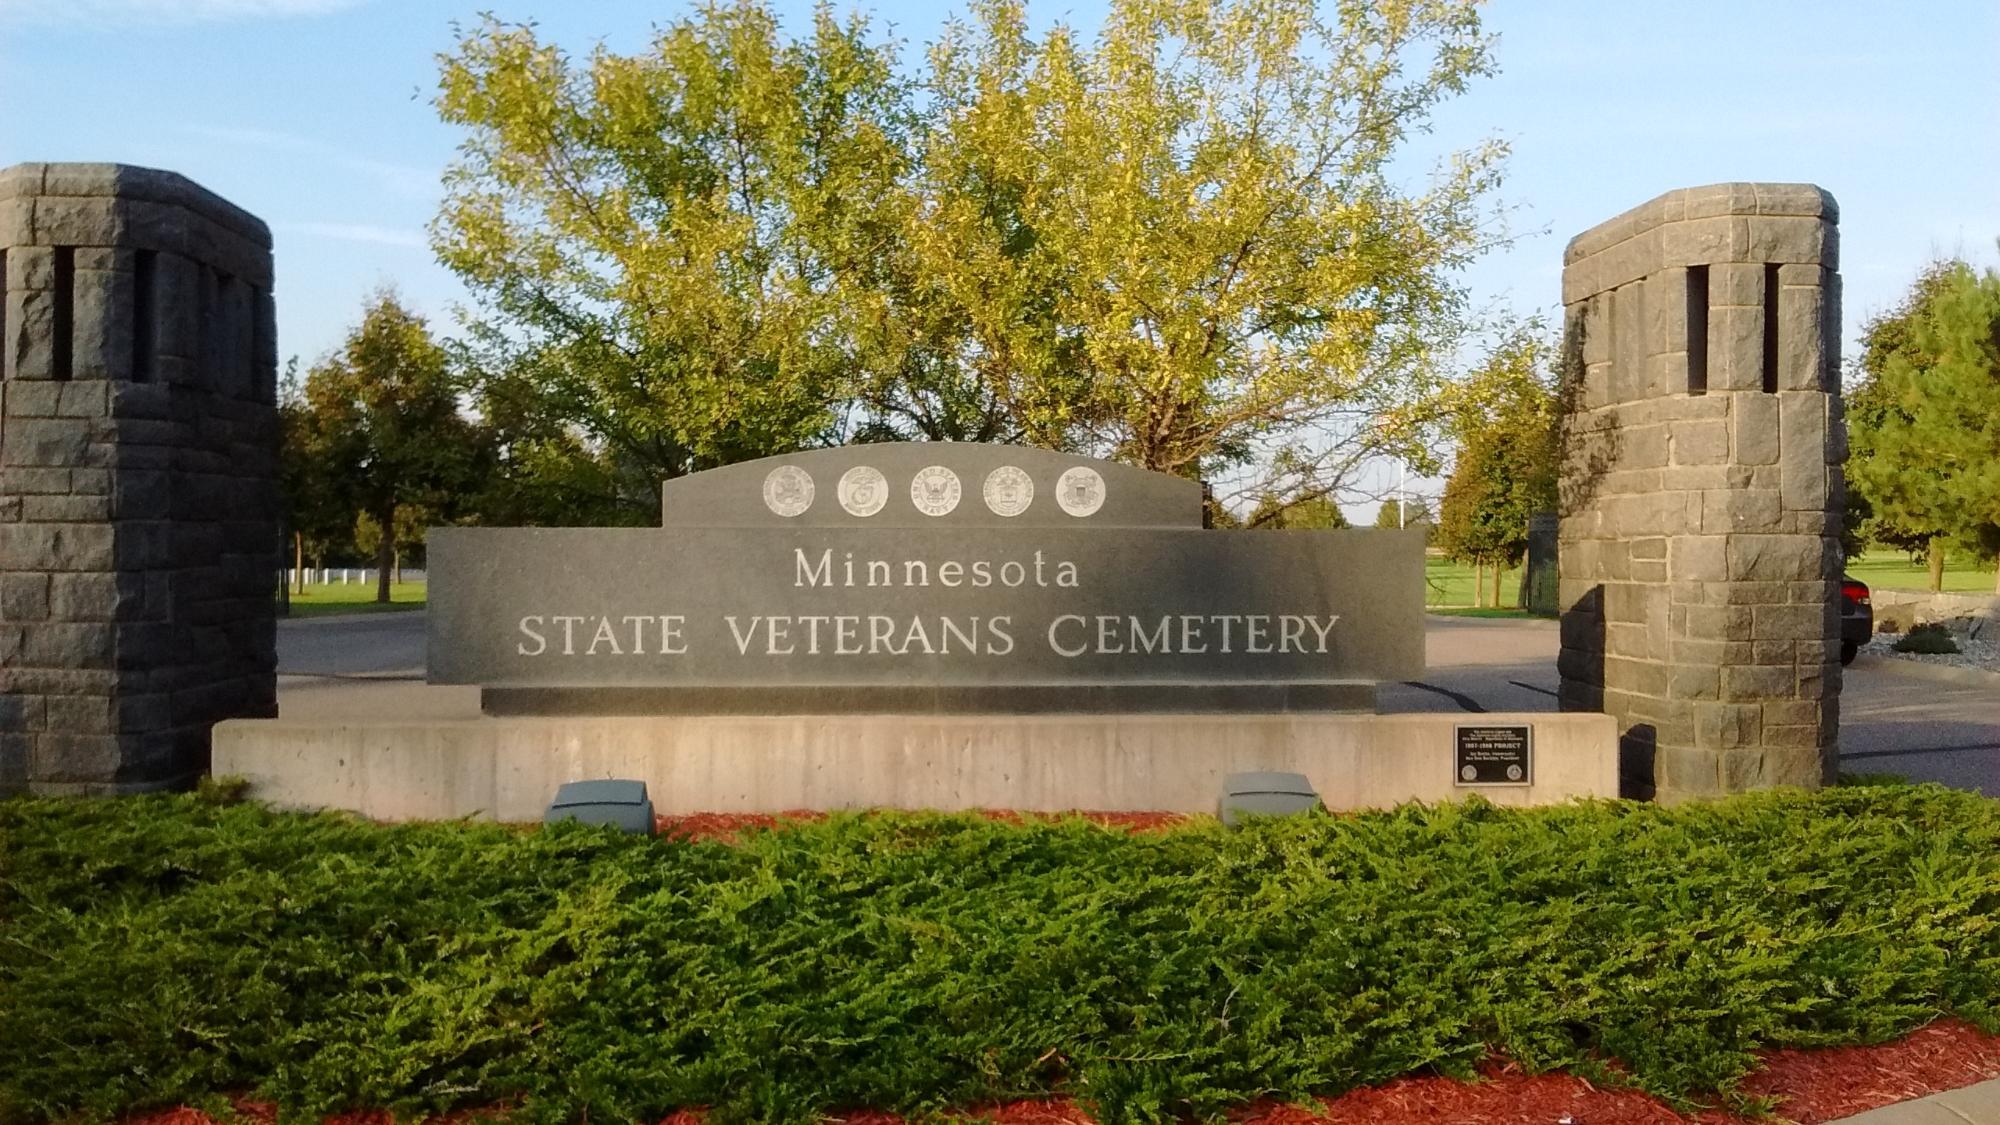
1894,719
367,666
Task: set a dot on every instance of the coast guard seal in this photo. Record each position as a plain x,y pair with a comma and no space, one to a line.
1080,491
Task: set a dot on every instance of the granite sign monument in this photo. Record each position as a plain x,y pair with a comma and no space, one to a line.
924,577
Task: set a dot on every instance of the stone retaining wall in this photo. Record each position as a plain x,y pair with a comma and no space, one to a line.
1897,610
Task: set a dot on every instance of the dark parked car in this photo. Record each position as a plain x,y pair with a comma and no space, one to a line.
1857,618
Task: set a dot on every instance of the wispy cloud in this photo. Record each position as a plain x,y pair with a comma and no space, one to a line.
360,232
403,179
124,13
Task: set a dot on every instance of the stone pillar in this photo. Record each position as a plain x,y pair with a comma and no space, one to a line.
138,476
1700,554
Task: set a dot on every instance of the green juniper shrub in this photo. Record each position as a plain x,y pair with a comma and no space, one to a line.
1847,778
1930,640
174,948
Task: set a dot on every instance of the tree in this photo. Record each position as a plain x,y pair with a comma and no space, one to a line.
664,241
1507,463
1925,417
1414,510
387,408
317,517
412,522
1319,514
1181,245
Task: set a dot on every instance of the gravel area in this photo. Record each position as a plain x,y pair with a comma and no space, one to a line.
1983,654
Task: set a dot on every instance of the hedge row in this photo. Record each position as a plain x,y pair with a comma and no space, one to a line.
173,949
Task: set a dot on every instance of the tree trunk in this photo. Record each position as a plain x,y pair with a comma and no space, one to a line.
1937,563
399,567
299,562
1478,584
385,556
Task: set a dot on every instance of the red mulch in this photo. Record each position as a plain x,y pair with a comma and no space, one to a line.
1835,1082
1816,1085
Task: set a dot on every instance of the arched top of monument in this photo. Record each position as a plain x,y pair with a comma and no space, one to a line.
1709,201
930,484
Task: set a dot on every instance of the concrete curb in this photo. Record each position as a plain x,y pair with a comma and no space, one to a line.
1969,1105
1943,673
317,619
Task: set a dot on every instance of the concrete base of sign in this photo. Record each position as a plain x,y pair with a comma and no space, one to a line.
508,768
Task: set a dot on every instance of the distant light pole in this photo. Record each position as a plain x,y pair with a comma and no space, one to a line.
1402,489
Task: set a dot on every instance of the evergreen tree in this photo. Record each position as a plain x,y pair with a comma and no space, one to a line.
1924,421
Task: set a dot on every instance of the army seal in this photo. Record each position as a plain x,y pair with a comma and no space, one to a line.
788,490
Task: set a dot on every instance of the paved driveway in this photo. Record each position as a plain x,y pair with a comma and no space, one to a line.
1893,719
366,667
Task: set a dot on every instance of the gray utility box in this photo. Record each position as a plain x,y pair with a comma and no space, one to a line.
1262,793
622,804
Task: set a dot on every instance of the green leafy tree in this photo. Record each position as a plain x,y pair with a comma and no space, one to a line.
393,436
664,241
1924,419
1507,464
412,522
1414,510
316,514
1318,513
1180,244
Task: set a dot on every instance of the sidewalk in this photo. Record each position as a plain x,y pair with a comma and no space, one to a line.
1972,1105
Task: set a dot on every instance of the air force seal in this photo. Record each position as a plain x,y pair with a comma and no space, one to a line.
1008,491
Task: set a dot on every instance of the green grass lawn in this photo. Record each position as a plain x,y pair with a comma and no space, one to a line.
1448,583
175,949
1893,570
328,599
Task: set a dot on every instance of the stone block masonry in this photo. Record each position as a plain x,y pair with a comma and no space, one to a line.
138,476
1699,538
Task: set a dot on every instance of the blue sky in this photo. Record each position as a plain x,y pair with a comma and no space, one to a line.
315,115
